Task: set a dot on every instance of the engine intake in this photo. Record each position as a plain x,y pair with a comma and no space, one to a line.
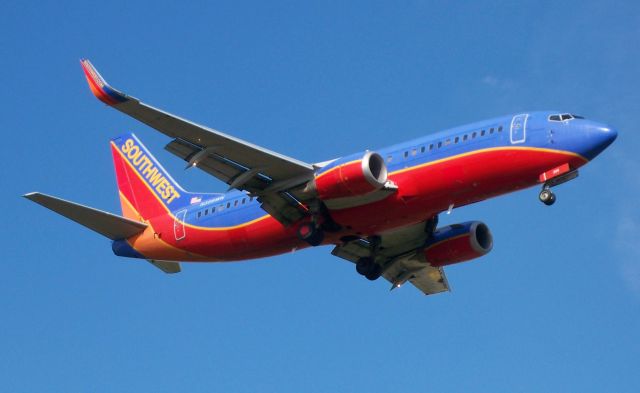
458,243
352,178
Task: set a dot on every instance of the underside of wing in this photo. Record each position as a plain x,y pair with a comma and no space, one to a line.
398,253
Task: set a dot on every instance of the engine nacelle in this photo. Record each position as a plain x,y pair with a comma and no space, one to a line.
352,178
458,243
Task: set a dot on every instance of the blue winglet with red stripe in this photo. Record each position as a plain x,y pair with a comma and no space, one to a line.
99,86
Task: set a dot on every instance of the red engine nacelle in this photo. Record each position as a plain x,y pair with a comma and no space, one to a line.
352,178
458,243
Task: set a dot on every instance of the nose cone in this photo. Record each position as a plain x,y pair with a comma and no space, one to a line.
598,138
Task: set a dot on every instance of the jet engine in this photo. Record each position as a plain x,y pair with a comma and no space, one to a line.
351,178
458,243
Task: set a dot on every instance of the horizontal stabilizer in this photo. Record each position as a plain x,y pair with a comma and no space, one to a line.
168,267
107,224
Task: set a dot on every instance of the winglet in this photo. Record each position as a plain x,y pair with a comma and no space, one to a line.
99,86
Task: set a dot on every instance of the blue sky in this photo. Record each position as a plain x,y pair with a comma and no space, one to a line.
554,307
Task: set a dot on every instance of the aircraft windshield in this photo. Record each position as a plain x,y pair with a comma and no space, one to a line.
564,117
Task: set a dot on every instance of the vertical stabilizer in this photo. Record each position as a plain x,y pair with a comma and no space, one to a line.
146,188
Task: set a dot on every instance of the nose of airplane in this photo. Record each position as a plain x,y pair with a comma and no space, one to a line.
599,137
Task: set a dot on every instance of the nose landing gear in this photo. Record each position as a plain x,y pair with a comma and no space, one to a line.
554,178
547,196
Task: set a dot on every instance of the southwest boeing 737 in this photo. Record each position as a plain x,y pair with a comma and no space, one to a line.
378,209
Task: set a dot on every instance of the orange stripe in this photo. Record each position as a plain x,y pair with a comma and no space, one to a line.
148,235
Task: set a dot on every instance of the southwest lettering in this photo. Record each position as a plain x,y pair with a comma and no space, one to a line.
156,177
145,167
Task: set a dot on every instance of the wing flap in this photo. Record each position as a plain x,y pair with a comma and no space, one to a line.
107,224
400,258
414,268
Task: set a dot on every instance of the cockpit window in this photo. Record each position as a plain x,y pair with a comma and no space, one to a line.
564,117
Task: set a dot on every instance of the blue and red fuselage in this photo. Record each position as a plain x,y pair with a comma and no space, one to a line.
447,169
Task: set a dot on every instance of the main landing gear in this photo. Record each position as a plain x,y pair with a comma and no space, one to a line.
311,233
547,196
368,268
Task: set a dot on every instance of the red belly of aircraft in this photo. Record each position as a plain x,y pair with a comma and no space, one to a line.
422,192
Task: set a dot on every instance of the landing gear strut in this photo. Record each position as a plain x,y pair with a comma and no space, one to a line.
311,233
547,196
368,268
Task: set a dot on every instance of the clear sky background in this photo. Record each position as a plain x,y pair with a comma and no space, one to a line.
554,307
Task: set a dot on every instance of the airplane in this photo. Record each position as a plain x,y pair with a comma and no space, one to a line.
378,209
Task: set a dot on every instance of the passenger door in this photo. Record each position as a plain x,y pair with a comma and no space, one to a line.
178,225
518,130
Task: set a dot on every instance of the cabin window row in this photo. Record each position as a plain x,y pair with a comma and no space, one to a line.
221,207
448,141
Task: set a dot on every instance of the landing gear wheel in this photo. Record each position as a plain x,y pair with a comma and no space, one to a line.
547,197
375,273
367,267
311,234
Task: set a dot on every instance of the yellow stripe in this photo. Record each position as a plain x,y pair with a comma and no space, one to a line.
426,164
176,218
542,149
485,151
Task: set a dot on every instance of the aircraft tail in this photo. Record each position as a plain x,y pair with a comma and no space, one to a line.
146,188
109,225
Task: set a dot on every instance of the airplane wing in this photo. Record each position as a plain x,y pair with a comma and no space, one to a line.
400,257
269,175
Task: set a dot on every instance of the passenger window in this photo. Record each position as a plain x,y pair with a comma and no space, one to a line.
206,212
228,205
465,137
482,132
199,214
220,208
439,145
422,149
244,200
491,131
447,142
456,140
406,154
431,147
235,203
473,135
414,151
500,129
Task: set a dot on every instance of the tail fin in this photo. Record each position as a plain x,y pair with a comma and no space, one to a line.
146,188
